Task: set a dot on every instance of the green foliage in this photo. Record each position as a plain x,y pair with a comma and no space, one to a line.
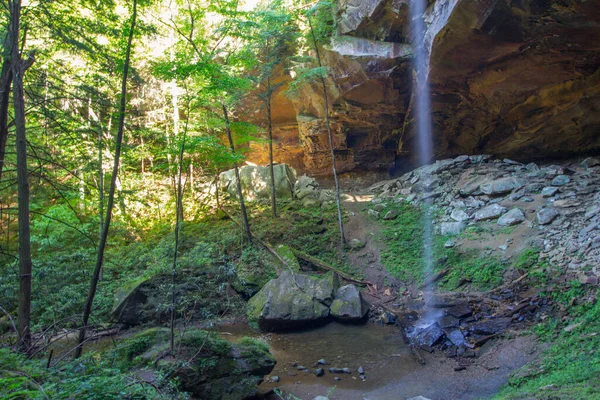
312,230
403,255
88,378
569,369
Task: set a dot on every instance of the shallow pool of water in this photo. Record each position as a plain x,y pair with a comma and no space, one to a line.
380,350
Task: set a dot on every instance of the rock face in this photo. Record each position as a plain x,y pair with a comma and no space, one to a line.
295,300
514,78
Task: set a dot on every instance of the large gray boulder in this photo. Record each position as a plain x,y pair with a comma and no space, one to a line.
348,304
292,301
256,181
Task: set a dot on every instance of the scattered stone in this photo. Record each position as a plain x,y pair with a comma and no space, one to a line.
456,337
390,215
490,212
513,217
356,244
549,191
459,215
460,368
590,162
373,214
560,180
379,207
336,370
361,371
452,228
502,186
301,368
430,336
527,199
275,378
592,211
448,322
337,378
388,318
450,244
321,398
319,372
346,370
460,311
546,215
491,326
322,362
553,170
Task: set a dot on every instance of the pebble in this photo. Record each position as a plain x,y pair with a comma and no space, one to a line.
319,372
275,378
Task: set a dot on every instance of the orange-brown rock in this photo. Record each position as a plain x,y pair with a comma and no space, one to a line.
513,78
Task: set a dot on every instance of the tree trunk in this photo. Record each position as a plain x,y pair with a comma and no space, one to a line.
111,193
327,123
178,220
237,176
5,83
23,183
270,129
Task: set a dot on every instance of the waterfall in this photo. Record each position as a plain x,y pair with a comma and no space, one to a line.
422,106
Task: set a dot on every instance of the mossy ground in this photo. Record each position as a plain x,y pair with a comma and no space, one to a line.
403,253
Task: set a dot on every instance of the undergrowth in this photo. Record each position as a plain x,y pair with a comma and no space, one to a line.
570,368
403,255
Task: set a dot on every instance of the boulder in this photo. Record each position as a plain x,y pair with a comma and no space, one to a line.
492,211
513,217
348,304
145,300
292,301
256,181
209,367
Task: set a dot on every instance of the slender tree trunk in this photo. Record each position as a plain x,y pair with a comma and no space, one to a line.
270,132
23,183
111,193
5,84
327,122
237,176
217,188
178,220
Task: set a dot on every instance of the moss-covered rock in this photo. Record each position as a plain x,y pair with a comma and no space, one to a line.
292,301
147,299
209,367
348,304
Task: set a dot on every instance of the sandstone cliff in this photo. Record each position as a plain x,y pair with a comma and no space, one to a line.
511,78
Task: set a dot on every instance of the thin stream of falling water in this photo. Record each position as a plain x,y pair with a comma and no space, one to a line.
424,135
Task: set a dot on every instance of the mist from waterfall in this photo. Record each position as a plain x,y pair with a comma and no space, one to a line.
422,107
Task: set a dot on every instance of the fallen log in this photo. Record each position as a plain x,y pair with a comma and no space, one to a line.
435,278
323,265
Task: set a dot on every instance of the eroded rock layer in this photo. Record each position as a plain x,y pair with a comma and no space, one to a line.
512,78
